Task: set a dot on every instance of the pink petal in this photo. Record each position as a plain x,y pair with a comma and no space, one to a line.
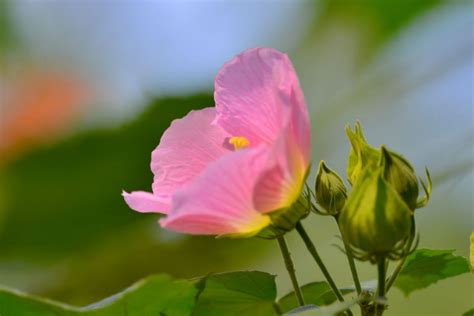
258,96
185,149
298,132
146,202
255,93
279,187
271,190
220,200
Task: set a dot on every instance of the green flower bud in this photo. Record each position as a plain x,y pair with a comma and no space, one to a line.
331,193
375,220
362,155
401,176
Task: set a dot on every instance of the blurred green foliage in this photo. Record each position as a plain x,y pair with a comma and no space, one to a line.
381,19
61,205
83,178
390,16
7,39
469,312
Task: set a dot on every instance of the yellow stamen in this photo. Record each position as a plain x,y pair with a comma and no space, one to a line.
239,142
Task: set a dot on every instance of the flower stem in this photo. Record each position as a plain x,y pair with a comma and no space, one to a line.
290,268
401,263
395,274
380,306
312,250
350,259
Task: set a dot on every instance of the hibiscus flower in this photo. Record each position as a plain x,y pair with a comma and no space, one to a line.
223,170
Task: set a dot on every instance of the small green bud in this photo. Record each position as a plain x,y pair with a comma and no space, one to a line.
375,221
331,193
401,176
362,155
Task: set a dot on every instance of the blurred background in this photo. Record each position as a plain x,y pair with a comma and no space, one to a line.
88,87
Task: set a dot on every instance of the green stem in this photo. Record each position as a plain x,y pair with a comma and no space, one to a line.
277,308
395,274
290,268
352,266
401,263
351,261
380,307
312,250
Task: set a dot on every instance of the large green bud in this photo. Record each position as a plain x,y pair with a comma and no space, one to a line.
362,155
375,220
397,171
331,193
401,176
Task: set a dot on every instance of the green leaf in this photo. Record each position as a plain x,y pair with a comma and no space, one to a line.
155,295
426,266
317,293
237,293
469,312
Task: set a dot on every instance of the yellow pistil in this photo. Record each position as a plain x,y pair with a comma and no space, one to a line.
239,142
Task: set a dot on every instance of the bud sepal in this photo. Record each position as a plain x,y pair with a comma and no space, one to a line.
427,188
285,220
361,156
399,173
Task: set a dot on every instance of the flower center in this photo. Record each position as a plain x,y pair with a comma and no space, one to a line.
239,142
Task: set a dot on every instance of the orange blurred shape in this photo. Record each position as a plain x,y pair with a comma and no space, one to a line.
37,105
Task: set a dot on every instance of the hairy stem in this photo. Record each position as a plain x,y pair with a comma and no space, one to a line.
352,266
401,263
395,274
290,268
380,307
350,259
312,250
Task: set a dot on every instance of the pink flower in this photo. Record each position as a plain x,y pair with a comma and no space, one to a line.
222,170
